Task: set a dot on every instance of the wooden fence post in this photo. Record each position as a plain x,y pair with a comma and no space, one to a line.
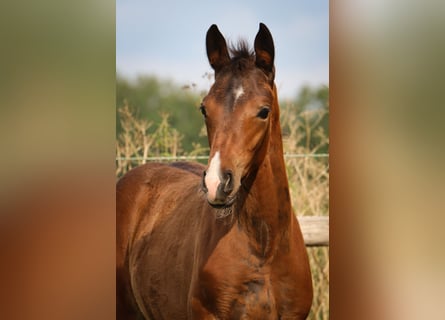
315,230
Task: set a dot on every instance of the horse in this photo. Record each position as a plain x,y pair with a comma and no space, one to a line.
219,241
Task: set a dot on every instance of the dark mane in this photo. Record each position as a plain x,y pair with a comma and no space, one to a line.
242,56
241,50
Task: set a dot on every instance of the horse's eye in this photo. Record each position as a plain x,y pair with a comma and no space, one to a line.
202,108
264,112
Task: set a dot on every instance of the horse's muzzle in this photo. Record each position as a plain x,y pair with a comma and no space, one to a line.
218,191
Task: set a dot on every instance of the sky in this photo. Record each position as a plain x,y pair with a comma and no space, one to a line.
167,38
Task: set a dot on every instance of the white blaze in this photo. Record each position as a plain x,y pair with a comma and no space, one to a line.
238,92
212,179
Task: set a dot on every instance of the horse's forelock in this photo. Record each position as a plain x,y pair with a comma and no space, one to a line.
241,50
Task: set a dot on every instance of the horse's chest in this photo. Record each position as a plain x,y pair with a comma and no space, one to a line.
256,302
232,296
236,284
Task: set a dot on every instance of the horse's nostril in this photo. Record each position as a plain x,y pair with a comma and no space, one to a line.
204,187
228,185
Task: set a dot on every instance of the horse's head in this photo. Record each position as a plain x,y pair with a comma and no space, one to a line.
239,111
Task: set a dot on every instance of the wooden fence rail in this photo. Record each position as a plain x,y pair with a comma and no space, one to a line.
315,230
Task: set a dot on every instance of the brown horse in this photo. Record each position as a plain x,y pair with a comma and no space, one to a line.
219,242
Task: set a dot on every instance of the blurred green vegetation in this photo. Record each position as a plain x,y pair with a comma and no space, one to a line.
308,112
151,98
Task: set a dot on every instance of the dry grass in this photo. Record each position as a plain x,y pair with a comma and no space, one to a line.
309,188
138,141
308,176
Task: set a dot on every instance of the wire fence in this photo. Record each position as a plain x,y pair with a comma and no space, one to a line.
186,158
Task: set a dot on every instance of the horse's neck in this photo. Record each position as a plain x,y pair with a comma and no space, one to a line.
270,189
266,211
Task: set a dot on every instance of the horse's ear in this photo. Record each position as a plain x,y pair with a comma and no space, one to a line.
265,51
217,52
